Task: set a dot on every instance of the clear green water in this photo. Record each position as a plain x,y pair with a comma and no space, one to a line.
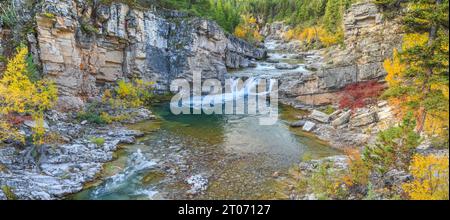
235,154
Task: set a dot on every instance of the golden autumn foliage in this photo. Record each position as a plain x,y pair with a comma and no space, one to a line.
131,94
248,29
408,92
314,34
7,131
431,178
394,68
20,95
414,39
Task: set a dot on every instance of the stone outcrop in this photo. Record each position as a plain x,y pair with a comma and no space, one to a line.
369,39
349,128
62,170
364,119
342,119
83,45
274,31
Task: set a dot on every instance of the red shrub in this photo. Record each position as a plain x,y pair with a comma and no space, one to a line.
360,94
15,119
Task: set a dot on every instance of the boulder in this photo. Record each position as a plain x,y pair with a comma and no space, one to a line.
319,116
396,178
299,123
385,113
312,67
309,126
342,119
32,124
364,119
382,103
335,114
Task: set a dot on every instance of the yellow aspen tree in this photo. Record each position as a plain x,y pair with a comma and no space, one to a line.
431,178
20,95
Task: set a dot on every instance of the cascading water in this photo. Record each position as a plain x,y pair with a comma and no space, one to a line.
235,90
137,164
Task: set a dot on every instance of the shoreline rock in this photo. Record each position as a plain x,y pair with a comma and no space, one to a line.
55,171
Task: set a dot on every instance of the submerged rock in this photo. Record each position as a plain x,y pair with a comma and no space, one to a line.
286,66
198,183
252,64
272,61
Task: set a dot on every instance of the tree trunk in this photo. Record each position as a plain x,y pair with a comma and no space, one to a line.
429,73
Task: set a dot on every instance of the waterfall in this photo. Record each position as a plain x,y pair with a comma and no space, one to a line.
236,90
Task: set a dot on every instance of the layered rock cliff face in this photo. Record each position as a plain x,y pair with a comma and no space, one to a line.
83,45
369,40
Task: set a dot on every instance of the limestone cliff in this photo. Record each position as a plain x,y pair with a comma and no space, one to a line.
83,45
369,40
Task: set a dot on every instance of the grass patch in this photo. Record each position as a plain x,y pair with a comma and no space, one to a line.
99,141
9,193
91,117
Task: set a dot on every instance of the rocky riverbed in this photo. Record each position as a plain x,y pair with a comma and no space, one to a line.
54,171
204,157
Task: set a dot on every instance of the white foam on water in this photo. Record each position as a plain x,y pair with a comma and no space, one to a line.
239,92
137,164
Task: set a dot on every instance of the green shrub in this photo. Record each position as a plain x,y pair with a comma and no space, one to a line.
91,117
99,141
48,15
8,14
32,70
329,109
394,147
88,28
9,193
326,183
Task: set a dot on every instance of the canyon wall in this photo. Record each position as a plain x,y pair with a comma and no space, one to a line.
83,46
369,39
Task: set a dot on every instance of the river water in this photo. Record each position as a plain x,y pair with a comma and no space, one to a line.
209,156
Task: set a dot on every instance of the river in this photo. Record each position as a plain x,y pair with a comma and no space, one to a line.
209,156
